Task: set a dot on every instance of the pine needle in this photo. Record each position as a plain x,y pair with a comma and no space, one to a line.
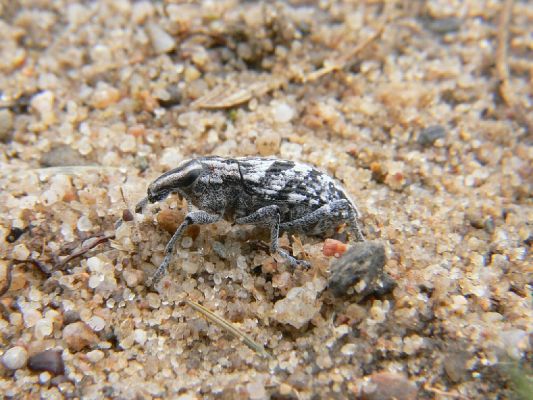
228,326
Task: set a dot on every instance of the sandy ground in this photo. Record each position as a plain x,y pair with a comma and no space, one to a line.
417,107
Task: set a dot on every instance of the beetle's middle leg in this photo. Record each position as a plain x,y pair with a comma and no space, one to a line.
270,216
326,217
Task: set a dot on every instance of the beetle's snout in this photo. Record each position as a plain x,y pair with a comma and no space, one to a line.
155,195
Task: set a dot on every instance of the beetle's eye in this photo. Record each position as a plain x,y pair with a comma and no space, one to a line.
189,177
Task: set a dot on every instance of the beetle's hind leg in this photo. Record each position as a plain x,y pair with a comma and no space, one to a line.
325,218
270,216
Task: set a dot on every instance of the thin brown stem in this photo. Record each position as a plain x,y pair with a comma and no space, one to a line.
9,278
85,248
502,67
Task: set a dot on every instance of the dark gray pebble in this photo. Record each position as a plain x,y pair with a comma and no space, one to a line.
363,261
443,26
6,125
429,135
70,317
48,360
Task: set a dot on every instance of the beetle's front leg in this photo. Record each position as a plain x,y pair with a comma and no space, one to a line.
270,216
194,217
140,205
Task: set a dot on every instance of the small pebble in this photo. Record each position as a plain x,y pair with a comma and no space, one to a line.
78,336
140,336
190,267
187,242
48,360
443,25
70,316
96,280
169,220
15,319
191,74
44,377
141,11
20,252
389,386
127,216
35,294
62,156
15,358
479,221
455,365
268,143
96,323
489,225
95,264
174,98
6,125
77,14
361,268
161,40
349,349
298,307
104,96
31,316
430,135
153,299
44,104
220,250
282,113
43,328
128,144
290,150
95,355
256,390
514,342
132,277
333,247
84,224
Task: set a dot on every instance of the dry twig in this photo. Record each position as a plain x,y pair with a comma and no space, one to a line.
343,60
502,67
223,97
9,278
85,248
9,273
455,395
41,266
228,326
340,62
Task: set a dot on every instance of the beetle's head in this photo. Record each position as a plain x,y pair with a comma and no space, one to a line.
178,180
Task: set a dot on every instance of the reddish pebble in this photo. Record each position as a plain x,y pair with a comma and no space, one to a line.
334,247
169,220
127,215
137,130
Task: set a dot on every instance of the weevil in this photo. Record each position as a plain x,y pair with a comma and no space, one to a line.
282,195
